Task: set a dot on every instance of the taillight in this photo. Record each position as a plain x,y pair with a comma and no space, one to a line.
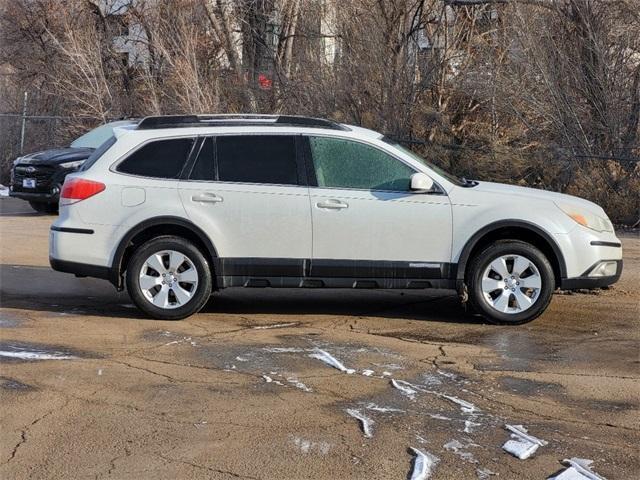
76,189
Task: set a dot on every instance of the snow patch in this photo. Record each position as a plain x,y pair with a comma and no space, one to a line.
459,449
368,373
276,325
377,408
365,422
465,406
35,355
268,379
423,464
406,388
577,469
4,191
284,349
330,360
437,416
484,473
298,384
522,445
470,425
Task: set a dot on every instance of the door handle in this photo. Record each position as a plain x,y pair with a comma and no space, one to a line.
207,198
332,204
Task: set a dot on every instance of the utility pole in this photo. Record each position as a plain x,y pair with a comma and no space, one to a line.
24,122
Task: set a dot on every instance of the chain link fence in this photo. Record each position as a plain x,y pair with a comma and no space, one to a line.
21,134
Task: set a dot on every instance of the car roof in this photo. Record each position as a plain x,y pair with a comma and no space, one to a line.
188,125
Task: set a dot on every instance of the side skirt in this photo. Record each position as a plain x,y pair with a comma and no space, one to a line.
333,273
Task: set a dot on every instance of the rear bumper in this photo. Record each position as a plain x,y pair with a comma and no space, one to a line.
584,281
80,269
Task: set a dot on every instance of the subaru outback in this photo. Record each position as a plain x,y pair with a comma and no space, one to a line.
179,206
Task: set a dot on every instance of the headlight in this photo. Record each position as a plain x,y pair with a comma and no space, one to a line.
75,164
586,218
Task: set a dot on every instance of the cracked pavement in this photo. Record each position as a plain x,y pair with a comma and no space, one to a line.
144,399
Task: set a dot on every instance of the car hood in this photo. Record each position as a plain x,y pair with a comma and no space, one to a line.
536,194
55,156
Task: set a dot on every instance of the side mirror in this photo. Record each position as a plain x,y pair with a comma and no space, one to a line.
421,182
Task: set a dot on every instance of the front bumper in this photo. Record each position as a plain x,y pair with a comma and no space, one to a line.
584,281
36,197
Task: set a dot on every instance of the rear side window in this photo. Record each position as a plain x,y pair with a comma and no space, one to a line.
97,153
257,159
158,159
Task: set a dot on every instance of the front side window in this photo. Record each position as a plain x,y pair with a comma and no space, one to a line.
341,163
267,159
158,159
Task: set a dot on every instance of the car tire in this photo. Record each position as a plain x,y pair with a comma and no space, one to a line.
44,207
510,282
163,285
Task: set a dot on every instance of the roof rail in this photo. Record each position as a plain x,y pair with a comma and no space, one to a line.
233,119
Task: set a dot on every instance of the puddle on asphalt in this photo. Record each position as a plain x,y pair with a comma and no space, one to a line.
10,320
296,355
11,384
14,351
524,386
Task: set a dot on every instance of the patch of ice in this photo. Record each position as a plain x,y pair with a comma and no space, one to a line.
284,349
386,374
330,360
377,408
465,406
423,464
276,325
469,425
268,379
307,446
298,384
437,416
367,372
459,449
35,355
431,380
522,445
365,422
484,473
406,388
577,469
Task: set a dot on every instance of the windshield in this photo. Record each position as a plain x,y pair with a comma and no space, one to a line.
98,136
452,178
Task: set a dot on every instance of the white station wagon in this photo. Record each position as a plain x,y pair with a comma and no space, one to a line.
179,206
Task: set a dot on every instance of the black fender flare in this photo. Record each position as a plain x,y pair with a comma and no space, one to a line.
115,276
522,224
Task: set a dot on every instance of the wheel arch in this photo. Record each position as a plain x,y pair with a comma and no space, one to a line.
512,230
152,228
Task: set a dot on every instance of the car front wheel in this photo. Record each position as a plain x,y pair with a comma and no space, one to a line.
510,282
169,278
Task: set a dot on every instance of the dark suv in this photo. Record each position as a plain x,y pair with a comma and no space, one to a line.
37,177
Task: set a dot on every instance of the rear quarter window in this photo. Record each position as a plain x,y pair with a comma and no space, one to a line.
158,159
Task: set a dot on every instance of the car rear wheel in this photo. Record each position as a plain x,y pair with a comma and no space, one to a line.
44,207
510,282
169,278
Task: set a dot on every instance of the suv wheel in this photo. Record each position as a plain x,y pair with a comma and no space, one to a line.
169,278
44,207
510,282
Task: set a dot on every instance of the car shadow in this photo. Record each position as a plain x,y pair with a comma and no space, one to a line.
37,288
